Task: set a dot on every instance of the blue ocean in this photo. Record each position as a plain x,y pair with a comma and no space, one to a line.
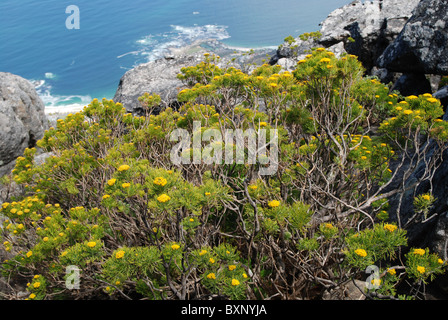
73,66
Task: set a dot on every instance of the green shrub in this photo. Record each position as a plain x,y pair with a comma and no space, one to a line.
110,200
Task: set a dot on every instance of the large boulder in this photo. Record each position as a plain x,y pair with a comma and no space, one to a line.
421,46
22,119
159,76
364,29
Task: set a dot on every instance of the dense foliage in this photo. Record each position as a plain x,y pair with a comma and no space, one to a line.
110,201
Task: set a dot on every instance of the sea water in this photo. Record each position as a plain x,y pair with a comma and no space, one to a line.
70,67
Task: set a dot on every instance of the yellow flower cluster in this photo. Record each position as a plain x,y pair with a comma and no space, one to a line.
390,227
123,167
160,181
421,269
211,276
274,203
119,254
91,244
163,198
419,252
361,252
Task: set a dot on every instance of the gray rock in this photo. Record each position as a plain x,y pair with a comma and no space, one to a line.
22,118
159,76
412,83
442,95
421,46
349,290
366,28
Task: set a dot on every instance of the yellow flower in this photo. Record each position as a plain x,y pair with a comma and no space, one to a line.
202,252
207,193
398,108
119,254
426,197
91,244
36,285
232,267
440,261
244,275
328,226
211,260
163,198
111,182
235,282
419,251
45,239
211,276
106,196
363,158
392,271
376,282
274,203
263,124
63,254
29,254
253,187
361,252
325,60
390,227
407,112
123,167
160,181
432,100
32,296
421,269
13,210
175,246
125,185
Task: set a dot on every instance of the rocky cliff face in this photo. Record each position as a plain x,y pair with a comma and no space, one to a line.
22,119
421,46
364,29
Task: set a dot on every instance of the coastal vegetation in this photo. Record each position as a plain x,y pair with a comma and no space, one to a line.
110,201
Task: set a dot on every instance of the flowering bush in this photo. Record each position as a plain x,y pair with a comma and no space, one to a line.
110,201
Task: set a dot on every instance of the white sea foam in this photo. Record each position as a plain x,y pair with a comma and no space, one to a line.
59,103
152,47
50,75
